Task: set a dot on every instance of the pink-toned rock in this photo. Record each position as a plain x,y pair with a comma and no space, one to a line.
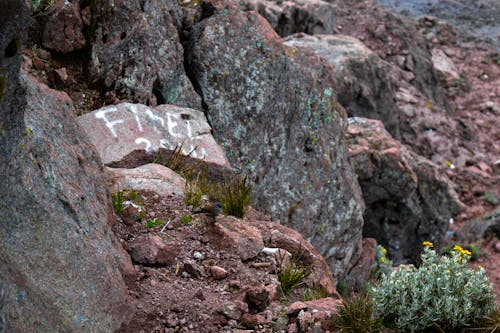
360,273
288,239
293,309
252,320
121,131
152,250
218,273
64,28
257,298
444,66
231,232
130,215
150,177
497,247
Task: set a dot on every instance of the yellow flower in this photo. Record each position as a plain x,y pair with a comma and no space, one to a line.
427,243
458,248
383,250
467,253
382,260
479,268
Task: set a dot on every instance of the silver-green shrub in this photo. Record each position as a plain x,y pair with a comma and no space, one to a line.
442,292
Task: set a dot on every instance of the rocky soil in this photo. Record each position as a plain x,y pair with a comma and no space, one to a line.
278,90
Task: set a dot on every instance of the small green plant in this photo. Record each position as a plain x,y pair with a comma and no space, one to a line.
491,199
382,264
355,315
153,223
186,219
236,196
117,199
442,293
291,273
316,292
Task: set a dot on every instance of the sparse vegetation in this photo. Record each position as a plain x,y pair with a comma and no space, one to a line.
316,292
117,200
186,219
355,315
236,196
178,162
153,223
291,273
442,293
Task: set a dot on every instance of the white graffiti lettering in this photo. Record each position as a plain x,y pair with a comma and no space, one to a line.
146,141
110,124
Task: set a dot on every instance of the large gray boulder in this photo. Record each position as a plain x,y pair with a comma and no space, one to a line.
136,51
408,199
365,86
273,108
58,262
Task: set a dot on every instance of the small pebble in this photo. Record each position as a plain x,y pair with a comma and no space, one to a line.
197,255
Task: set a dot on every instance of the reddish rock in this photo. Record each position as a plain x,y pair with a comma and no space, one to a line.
361,272
193,269
64,28
293,309
444,66
218,273
257,298
233,233
252,320
290,240
130,215
150,177
151,250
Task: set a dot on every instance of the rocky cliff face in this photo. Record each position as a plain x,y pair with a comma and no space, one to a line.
57,259
274,111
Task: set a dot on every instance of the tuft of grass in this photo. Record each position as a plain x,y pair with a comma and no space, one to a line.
153,223
186,219
291,273
355,315
236,196
178,162
117,199
316,292
491,199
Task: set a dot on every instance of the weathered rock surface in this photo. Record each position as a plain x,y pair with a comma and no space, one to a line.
365,86
136,52
444,66
128,135
381,30
279,236
408,200
150,177
63,31
151,250
273,109
57,257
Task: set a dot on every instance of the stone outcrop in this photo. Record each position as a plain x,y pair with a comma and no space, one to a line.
127,135
365,86
63,31
136,52
407,199
382,31
274,111
149,177
58,262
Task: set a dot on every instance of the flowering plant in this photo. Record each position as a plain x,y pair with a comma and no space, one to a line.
442,292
